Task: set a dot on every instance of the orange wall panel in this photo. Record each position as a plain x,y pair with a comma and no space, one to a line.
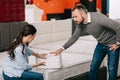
70,3
54,6
99,5
51,6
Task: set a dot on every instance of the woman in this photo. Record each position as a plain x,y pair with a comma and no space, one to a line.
17,65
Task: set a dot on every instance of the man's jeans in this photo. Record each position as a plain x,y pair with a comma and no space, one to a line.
99,54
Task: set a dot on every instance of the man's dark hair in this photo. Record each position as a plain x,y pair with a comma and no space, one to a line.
80,7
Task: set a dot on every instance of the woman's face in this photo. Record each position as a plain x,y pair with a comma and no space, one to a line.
28,38
31,37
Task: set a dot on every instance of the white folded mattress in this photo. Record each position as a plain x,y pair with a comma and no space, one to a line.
65,59
71,64
63,73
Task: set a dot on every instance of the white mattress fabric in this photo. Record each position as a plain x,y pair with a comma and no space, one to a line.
82,46
52,61
61,61
70,64
73,59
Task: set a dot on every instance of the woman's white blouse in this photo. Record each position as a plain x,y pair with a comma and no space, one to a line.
15,68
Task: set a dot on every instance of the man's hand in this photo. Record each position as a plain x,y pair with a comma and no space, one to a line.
57,51
113,47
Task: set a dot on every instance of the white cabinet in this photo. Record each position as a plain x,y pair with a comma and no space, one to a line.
33,13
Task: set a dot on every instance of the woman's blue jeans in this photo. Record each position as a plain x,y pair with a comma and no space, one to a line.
26,75
99,54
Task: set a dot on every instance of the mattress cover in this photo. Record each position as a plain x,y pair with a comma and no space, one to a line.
71,64
78,47
63,73
61,61
52,61
72,59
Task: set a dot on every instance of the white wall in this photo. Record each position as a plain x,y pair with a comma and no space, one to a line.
114,11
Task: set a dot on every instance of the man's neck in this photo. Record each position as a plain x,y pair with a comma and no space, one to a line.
85,19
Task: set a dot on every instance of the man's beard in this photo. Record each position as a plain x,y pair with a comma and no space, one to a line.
77,22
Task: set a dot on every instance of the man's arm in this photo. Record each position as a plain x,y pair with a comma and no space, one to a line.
69,43
73,38
111,24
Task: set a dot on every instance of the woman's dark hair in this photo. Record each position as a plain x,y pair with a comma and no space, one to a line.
80,7
27,30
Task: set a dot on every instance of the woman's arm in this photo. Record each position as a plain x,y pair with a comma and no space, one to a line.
39,55
39,64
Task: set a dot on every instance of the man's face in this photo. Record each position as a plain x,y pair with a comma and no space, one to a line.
77,16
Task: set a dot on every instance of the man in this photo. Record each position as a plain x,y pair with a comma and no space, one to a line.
106,32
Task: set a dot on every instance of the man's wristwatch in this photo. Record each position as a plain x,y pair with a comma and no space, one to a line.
118,44
63,48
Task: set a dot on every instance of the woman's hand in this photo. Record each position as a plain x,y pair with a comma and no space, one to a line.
43,56
39,64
